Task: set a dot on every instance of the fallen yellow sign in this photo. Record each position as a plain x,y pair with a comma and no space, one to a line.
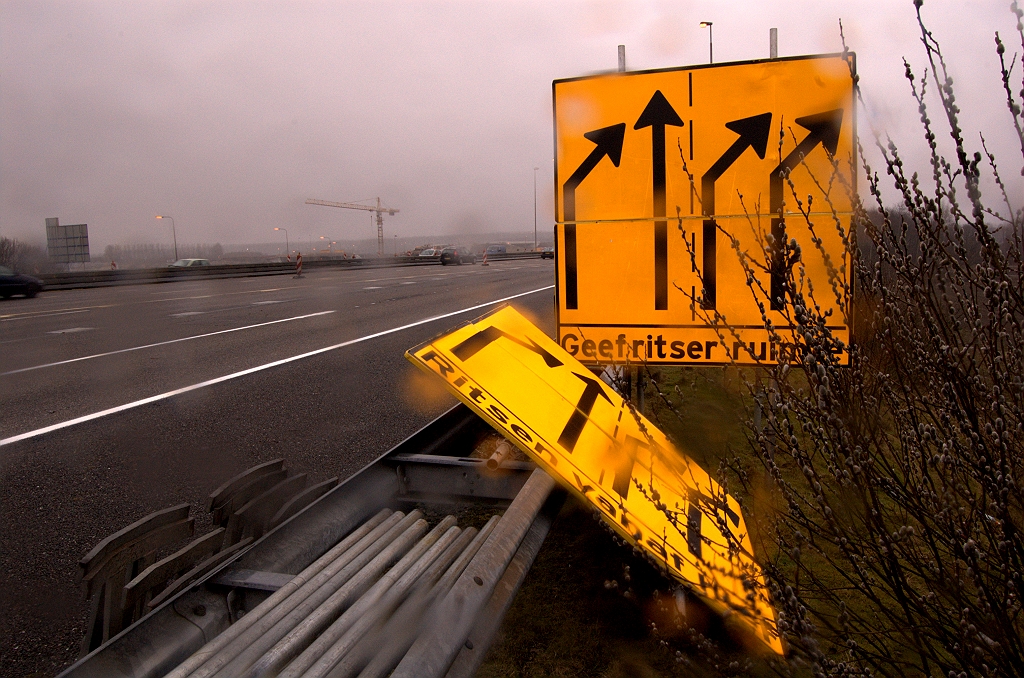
585,435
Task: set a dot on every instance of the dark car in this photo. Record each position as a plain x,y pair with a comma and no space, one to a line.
456,255
547,253
12,283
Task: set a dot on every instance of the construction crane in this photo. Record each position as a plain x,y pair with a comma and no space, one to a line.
379,209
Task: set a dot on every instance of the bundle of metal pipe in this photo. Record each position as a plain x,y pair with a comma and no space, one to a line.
386,648
451,621
390,596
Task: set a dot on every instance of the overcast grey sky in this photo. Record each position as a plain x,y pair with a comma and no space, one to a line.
227,115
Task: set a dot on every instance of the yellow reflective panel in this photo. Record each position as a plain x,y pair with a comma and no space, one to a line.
586,436
675,190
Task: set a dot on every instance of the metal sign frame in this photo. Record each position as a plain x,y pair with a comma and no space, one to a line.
67,243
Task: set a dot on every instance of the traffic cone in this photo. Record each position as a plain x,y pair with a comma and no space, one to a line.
485,260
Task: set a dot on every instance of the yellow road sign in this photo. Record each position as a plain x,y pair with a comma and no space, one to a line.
583,433
675,191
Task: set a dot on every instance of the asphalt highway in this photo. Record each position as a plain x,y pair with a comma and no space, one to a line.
116,402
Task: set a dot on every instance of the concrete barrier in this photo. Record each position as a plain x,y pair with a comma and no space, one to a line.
81,279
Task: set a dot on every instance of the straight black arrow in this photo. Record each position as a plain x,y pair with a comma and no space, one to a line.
754,132
657,115
824,129
609,142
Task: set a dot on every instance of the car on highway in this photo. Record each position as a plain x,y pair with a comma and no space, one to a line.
12,283
190,263
456,255
547,252
430,253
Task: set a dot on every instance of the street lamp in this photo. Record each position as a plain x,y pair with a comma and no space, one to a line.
711,42
173,234
330,243
535,207
287,247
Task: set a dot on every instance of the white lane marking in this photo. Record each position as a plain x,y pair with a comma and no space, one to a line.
264,303
47,315
411,282
252,370
373,288
71,330
187,314
209,296
164,343
203,296
51,311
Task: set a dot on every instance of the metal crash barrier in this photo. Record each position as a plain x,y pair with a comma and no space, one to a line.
405,569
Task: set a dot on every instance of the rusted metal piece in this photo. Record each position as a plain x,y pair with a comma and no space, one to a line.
173,566
251,518
247,491
119,558
501,452
198,571
101,551
219,496
301,501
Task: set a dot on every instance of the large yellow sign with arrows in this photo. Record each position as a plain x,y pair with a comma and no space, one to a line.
585,435
678,195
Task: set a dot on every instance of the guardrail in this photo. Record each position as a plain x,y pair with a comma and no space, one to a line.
143,276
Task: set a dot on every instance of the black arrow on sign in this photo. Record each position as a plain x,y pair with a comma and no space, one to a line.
609,142
574,427
754,132
470,347
657,115
824,129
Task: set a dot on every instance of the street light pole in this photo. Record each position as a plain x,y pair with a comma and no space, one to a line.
535,207
173,234
287,247
711,42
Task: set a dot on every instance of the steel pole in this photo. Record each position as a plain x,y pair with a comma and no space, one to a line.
174,233
287,246
535,207
711,40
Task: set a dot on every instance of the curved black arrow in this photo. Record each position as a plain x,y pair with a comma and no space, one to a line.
824,129
574,427
609,142
657,115
754,132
